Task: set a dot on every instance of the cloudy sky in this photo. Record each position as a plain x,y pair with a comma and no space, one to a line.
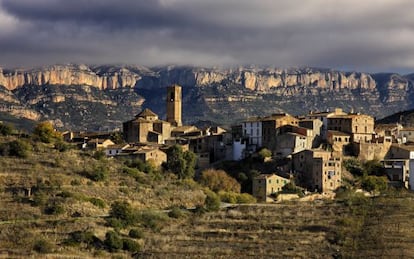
363,35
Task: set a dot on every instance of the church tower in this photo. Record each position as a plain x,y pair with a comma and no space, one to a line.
174,105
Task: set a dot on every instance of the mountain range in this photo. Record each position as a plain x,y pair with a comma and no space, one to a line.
81,97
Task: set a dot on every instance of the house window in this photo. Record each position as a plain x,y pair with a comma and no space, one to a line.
270,181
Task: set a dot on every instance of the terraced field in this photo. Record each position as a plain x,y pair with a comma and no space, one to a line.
372,228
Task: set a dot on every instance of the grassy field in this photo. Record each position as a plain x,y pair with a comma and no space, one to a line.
69,214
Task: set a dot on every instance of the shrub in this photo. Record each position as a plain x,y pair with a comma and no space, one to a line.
54,209
99,155
62,146
78,237
121,214
98,202
152,219
176,212
265,153
97,174
130,245
219,180
136,233
229,197
112,241
42,246
212,201
245,198
374,183
17,148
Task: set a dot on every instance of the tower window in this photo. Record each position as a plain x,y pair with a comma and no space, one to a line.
172,96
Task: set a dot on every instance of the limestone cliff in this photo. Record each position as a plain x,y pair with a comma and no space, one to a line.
83,96
258,79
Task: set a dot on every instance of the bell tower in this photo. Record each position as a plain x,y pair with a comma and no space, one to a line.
174,105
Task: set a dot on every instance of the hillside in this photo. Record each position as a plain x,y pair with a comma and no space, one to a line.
101,97
70,213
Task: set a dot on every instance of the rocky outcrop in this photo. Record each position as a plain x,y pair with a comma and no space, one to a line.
257,79
89,96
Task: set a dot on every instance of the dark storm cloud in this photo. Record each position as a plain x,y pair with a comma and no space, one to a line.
353,34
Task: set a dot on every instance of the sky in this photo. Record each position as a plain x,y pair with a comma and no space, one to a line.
357,35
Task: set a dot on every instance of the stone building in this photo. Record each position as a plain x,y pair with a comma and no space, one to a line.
266,184
317,170
271,126
360,126
323,117
146,128
174,104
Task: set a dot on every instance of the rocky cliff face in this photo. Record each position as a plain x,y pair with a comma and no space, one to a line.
257,79
71,93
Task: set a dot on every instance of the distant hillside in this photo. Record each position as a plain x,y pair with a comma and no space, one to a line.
101,97
405,118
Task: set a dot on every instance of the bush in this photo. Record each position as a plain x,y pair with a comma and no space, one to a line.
78,237
219,180
265,153
42,246
17,148
245,198
99,155
212,201
136,233
153,220
99,173
112,241
98,202
231,197
62,146
374,183
54,209
130,245
176,212
123,214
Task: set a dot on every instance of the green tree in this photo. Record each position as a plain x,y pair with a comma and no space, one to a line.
265,153
45,132
374,183
122,212
180,163
219,180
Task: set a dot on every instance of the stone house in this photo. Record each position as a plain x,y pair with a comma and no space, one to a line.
114,150
360,126
99,144
266,184
289,143
405,152
388,131
323,117
252,130
338,140
153,154
406,135
317,170
271,126
398,171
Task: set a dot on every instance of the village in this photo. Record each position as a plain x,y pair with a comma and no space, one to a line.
310,148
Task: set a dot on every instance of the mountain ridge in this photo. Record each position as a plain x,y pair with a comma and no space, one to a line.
65,93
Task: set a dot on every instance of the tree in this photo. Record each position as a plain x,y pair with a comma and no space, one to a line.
374,183
45,132
180,163
219,180
265,153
